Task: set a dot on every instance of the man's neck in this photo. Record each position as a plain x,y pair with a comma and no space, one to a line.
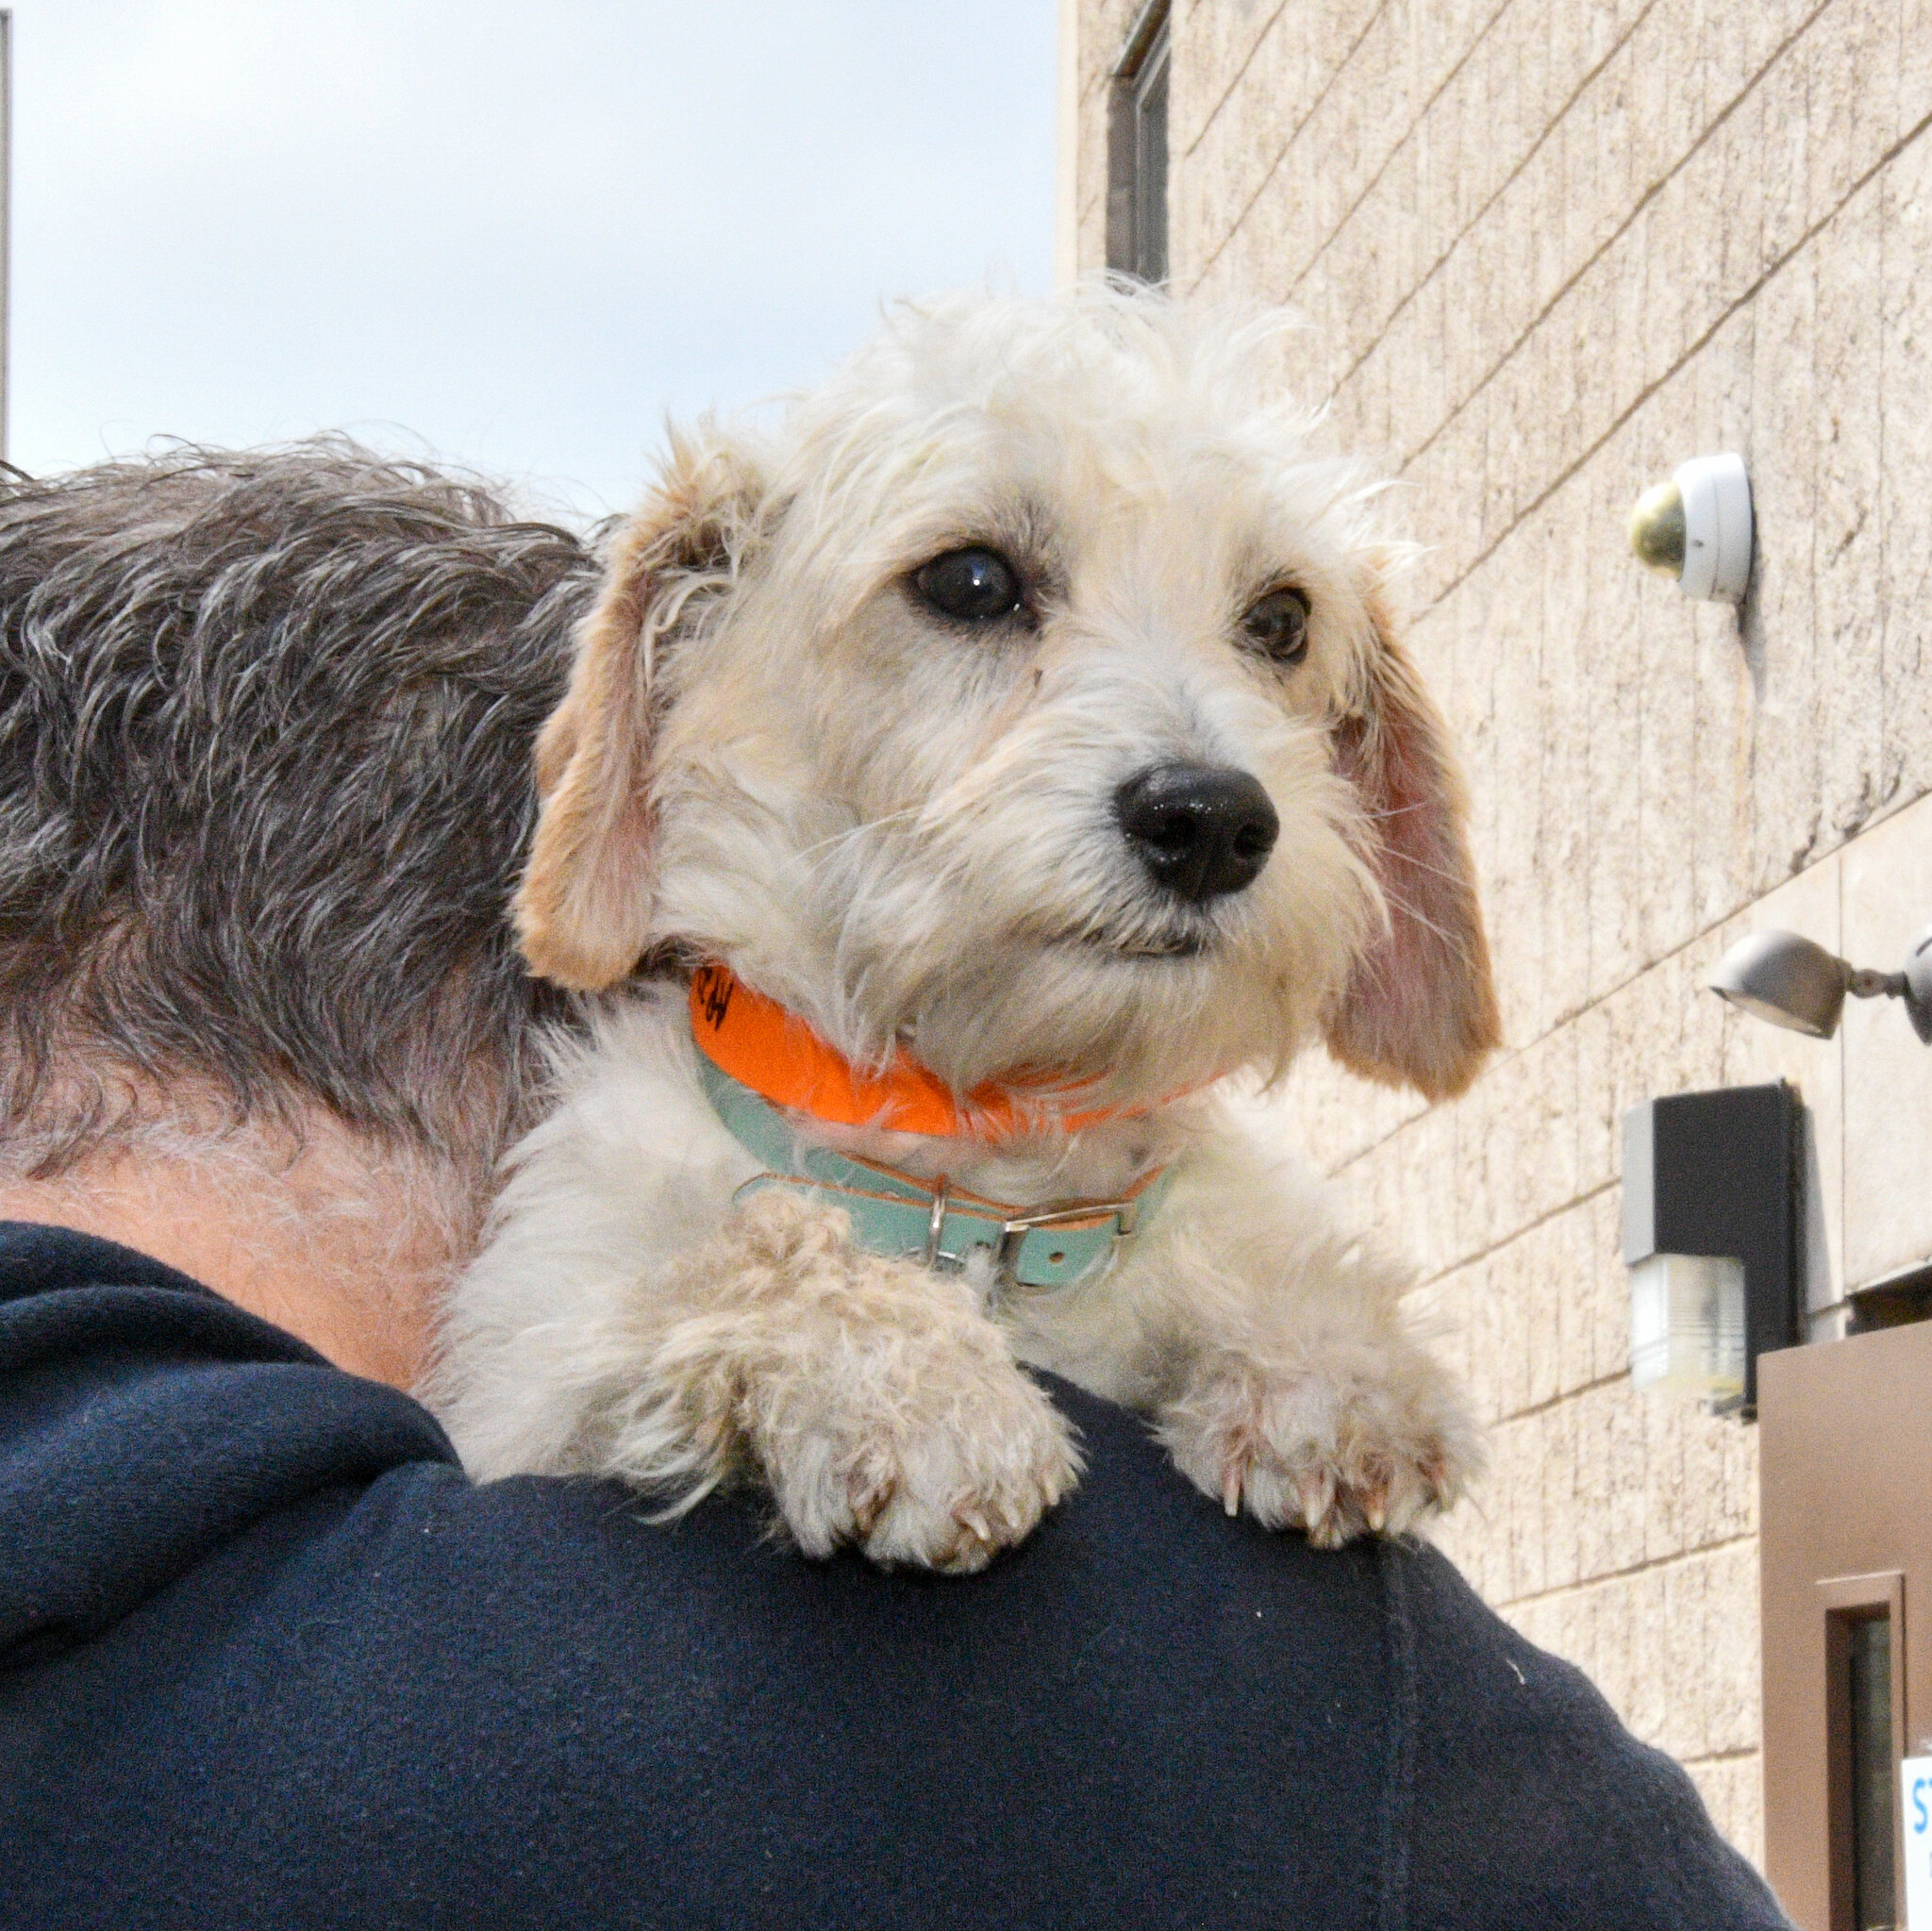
344,1248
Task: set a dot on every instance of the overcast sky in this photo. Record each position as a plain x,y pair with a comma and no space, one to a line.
516,235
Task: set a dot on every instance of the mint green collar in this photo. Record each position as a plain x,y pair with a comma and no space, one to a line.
895,1213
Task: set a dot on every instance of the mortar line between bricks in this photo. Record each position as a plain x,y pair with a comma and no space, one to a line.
1508,1056
1552,126
1703,342
1448,80
1529,1227
1622,228
1281,154
1736,1756
1557,1401
1240,74
1609,1575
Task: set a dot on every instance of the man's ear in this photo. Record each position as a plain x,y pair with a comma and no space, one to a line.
583,910
1419,1006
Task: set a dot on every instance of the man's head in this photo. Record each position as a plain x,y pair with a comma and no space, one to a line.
265,730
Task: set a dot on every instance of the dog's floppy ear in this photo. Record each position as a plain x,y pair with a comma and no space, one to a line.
1419,1006
583,910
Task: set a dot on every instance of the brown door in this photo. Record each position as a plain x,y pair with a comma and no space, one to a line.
1846,1565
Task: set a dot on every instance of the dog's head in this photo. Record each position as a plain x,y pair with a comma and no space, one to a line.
1031,698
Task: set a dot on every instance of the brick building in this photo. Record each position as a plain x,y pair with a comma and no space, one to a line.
1549,249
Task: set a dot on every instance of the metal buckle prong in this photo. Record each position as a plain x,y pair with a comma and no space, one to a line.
937,1224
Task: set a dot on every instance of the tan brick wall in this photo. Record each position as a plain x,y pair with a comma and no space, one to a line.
1548,250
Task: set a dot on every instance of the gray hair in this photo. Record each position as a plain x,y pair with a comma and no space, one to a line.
265,732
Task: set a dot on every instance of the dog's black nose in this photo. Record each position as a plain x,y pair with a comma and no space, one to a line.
1200,829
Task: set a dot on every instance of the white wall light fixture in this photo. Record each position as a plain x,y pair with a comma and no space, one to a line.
1687,1326
1793,982
1696,529
1710,1237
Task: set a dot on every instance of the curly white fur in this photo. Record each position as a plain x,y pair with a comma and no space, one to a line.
773,753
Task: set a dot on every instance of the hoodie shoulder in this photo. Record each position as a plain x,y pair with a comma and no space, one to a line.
1530,1802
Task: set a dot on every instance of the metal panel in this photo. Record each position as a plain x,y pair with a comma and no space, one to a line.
1845,1444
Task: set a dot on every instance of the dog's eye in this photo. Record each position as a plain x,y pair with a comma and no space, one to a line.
975,586
1279,623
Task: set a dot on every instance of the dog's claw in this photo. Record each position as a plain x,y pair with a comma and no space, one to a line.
1231,1491
974,1524
1318,1497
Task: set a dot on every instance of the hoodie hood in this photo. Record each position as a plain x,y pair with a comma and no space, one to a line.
146,1422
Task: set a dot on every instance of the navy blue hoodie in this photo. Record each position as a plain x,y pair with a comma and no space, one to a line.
270,1660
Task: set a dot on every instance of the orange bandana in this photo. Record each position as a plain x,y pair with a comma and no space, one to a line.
779,1058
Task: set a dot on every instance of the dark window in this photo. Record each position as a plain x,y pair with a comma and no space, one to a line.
1894,1302
1872,1773
1136,153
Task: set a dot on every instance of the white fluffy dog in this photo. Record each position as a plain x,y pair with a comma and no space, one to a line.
1017,742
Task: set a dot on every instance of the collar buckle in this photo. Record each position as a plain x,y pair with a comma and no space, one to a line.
1065,1214
1014,1229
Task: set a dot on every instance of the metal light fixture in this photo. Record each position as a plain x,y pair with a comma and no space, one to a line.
1696,529
1793,982
1710,1237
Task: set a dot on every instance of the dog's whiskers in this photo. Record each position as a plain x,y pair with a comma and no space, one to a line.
852,834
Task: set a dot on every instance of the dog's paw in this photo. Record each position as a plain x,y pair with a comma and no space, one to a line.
876,1401
960,1464
1346,1439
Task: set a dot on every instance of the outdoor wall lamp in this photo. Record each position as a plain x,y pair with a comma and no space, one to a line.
1696,529
1793,982
1710,1237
